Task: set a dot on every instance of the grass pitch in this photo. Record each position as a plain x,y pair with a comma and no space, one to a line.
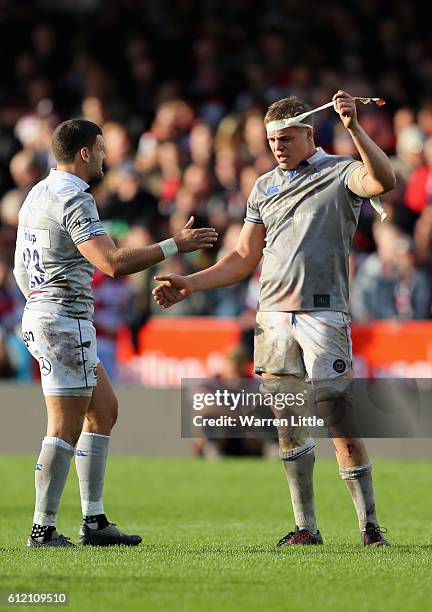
209,532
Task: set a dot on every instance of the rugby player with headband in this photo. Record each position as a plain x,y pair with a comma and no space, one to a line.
300,219
299,121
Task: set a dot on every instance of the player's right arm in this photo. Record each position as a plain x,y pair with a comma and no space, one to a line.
234,267
103,253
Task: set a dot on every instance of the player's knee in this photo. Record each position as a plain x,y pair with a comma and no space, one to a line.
66,426
276,385
332,390
69,433
291,450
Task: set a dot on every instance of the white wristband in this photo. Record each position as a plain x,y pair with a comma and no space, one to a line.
169,247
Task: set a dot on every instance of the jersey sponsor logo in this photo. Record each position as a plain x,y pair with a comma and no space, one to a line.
45,366
304,217
339,366
27,337
84,221
321,301
36,237
29,236
271,190
80,453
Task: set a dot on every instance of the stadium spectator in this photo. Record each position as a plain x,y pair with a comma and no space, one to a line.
128,201
191,128
388,284
229,301
139,284
112,300
419,188
14,360
423,237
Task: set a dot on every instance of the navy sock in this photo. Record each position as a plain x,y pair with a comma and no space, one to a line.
96,521
42,533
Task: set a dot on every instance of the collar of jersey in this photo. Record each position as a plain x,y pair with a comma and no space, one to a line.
319,154
59,175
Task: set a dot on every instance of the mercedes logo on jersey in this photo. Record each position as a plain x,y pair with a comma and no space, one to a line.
45,366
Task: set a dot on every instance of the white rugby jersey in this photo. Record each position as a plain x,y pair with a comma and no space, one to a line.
56,216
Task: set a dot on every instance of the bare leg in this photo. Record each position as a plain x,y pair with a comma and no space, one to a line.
350,452
66,417
101,414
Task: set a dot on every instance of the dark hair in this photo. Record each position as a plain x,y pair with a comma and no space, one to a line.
71,136
286,108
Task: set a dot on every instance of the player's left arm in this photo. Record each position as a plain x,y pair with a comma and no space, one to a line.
20,273
376,176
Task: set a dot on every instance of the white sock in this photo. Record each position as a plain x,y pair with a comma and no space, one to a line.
359,483
51,472
90,459
299,473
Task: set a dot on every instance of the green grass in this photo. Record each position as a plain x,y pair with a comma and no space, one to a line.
209,530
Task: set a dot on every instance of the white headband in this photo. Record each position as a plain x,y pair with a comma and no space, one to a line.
297,121
280,124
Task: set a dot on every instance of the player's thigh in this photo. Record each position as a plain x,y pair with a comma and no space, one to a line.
66,416
103,408
276,350
325,340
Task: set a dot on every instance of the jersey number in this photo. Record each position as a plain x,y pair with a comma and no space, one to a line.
34,267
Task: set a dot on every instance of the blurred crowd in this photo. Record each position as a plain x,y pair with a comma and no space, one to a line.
180,90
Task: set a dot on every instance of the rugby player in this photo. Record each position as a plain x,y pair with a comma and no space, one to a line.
60,238
301,217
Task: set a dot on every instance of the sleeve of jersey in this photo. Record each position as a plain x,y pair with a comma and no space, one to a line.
20,273
253,214
345,169
81,219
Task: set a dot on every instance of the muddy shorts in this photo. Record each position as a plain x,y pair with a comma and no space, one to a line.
65,349
314,345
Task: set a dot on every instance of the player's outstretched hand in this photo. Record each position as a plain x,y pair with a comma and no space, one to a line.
193,239
173,288
345,105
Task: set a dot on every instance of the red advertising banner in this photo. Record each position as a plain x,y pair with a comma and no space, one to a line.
393,349
195,347
172,349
